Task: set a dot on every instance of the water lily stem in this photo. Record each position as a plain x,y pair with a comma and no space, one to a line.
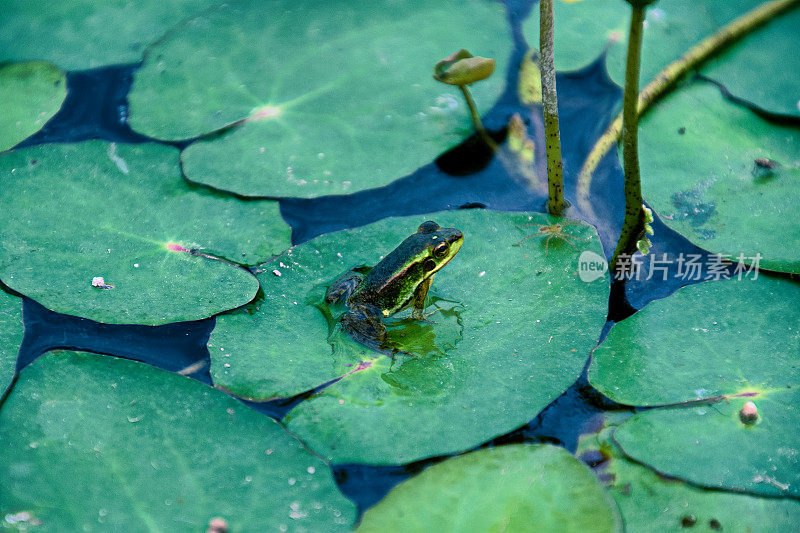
555,176
633,225
674,71
476,118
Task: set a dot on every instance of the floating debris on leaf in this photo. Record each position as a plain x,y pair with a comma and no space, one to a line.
100,283
749,413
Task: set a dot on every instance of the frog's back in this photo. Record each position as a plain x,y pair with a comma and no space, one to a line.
390,284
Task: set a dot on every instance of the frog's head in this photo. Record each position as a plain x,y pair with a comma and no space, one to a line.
435,245
392,283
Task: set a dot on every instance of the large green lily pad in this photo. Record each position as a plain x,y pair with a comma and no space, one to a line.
671,30
706,183
83,34
511,330
322,96
30,93
72,213
583,30
96,443
10,336
759,69
508,488
710,445
651,502
715,338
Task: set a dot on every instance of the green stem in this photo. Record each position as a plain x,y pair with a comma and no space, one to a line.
476,118
633,225
665,79
555,176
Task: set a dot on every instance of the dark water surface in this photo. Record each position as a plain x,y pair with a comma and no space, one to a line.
467,176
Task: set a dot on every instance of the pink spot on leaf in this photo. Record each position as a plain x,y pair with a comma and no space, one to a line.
363,365
265,113
172,247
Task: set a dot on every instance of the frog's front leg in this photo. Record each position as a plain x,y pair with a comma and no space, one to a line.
364,324
341,289
420,295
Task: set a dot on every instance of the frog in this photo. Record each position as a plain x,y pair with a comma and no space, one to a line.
400,280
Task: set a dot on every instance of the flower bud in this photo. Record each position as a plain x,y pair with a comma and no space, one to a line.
462,68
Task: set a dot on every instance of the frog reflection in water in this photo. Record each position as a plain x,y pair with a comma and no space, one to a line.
401,279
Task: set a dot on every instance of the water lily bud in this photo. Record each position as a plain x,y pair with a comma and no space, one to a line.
462,68
749,413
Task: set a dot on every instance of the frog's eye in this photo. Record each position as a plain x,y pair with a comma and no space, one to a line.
428,265
440,250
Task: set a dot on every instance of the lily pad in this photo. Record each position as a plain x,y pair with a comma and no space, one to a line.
583,30
508,488
724,178
74,213
715,338
10,336
671,30
586,29
744,68
92,442
711,446
511,329
83,34
322,97
30,93
650,502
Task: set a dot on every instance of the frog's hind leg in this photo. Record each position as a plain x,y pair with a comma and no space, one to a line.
364,325
343,287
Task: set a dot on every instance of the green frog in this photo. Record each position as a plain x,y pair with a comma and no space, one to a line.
399,280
